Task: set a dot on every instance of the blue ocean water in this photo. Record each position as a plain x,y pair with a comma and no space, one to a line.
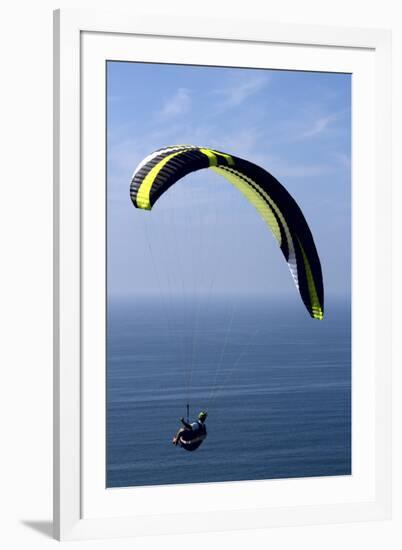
276,384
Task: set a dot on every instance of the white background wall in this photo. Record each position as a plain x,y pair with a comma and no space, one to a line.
26,272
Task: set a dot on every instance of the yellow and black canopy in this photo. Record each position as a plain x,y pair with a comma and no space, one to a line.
161,169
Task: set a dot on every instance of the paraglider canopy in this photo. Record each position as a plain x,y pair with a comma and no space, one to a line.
164,167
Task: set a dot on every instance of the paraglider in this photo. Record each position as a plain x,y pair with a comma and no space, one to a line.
282,215
190,436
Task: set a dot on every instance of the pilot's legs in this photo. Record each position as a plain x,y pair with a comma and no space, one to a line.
177,436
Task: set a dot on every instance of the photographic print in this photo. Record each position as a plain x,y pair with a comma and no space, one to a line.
228,274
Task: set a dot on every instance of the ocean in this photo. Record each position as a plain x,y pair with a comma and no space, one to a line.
276,385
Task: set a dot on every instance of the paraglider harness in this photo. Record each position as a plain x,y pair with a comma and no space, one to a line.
189,438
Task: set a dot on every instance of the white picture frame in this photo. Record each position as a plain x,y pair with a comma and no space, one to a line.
83,507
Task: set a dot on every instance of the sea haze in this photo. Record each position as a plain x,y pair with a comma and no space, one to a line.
276,385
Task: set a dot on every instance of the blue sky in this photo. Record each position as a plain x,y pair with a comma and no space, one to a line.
202,232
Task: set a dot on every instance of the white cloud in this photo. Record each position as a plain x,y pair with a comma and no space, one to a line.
318,126
176,105
240,90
